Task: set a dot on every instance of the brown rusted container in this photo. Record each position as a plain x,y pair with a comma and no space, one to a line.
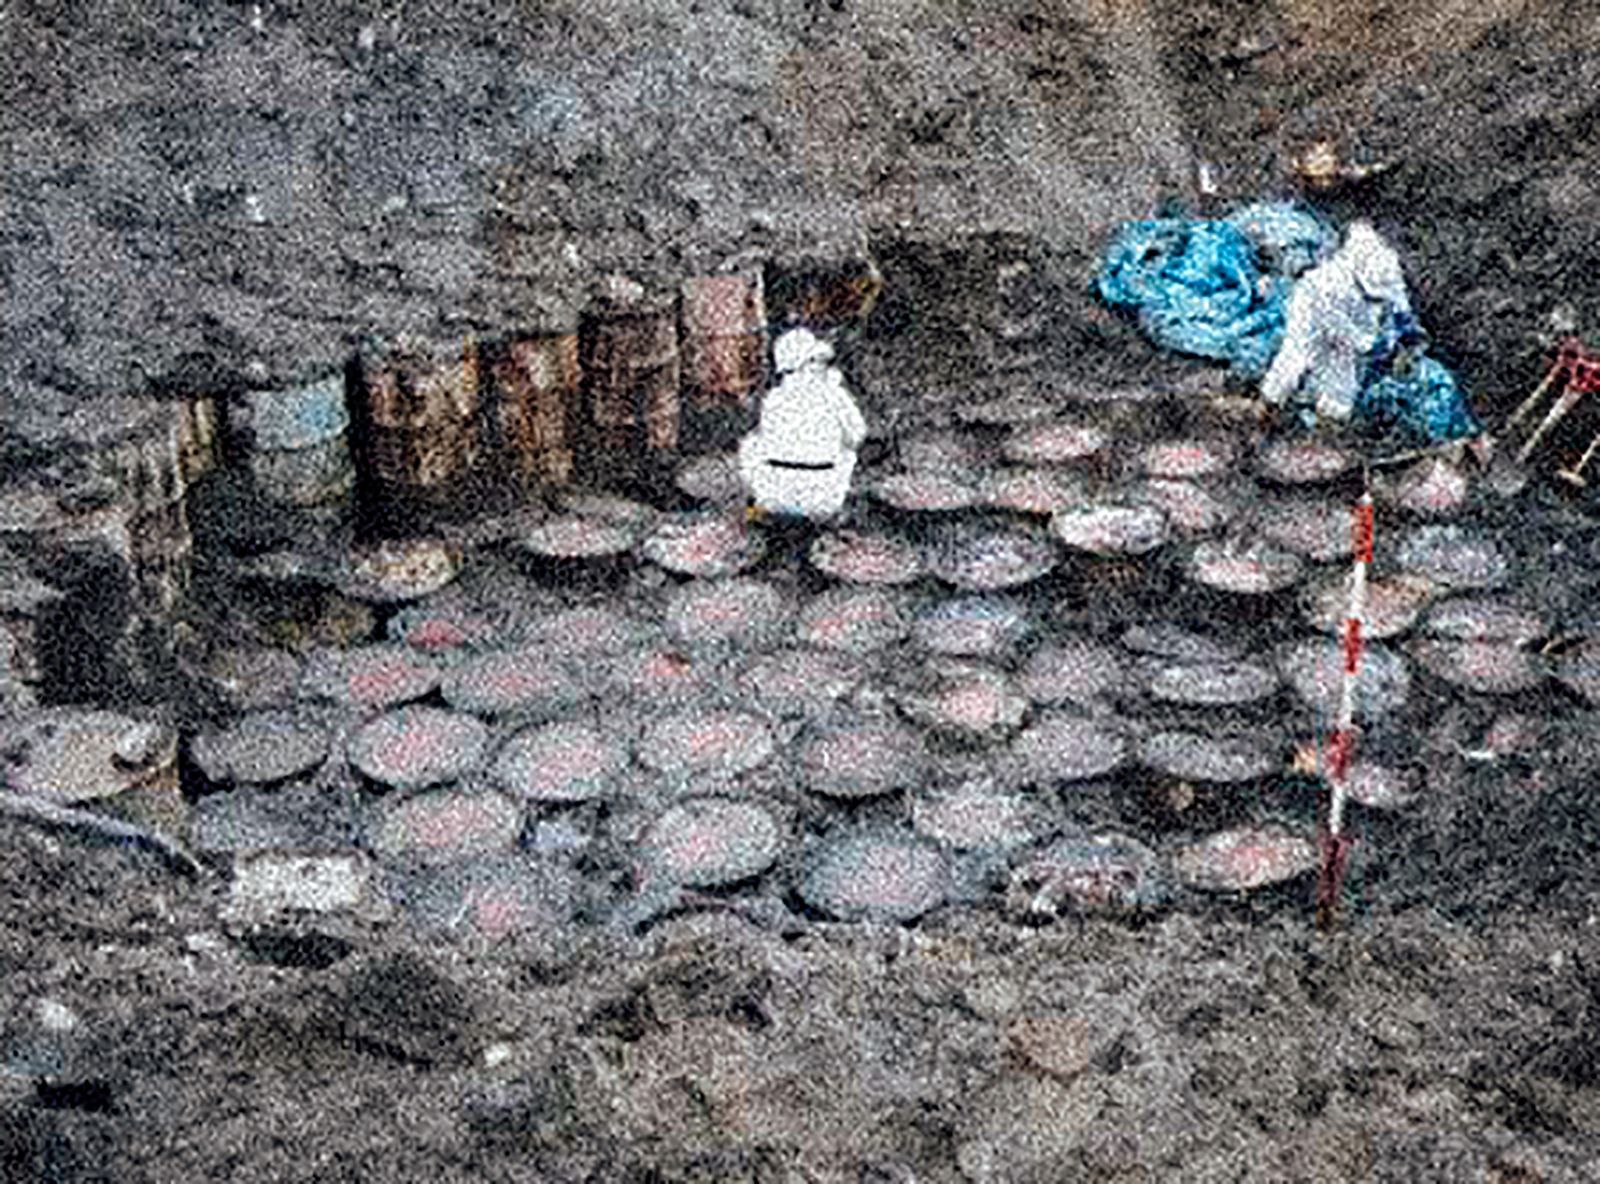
536,391
162,552
197,436
418,421
629,358
724,321
724,339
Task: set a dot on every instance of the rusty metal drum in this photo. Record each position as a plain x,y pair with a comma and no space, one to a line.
295,441
419,405
630,363
724,355
536,390
198,450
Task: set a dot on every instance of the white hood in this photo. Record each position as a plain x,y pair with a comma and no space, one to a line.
797,347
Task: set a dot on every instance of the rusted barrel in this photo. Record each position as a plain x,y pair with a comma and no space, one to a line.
416,407
197,436
629,358
102,517
295,442
724,355
24,602
536,389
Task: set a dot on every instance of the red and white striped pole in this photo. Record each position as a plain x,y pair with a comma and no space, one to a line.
1341,744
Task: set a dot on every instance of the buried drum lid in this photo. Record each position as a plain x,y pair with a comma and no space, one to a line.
1483,667
444,825
974,817
927,492
727,612
1072,670
1316,528
1193,756
574,537
711,842
526,682
1029,490
989,561
1111,530
1095,873
707,545
865,559
1303,462
851,759
854,620
260,748
1453,558
1058,747
1211,684
416,747
1314,669
395,572
1054,443
876,876
371,676
560,762
800,681
971,626
962,700
713,742
1184,460
1392,604
1472,619
1244,858
1244,567
1190,509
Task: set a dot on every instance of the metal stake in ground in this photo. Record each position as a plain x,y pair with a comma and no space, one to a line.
1335,844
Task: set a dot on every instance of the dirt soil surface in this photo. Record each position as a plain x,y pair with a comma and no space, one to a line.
1447,1030
1232,1044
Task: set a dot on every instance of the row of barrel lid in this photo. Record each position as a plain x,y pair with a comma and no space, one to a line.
965,695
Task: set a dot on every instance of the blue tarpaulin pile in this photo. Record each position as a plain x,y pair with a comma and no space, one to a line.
1219,288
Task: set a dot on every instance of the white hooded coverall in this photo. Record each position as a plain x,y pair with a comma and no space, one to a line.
801,456
1337,314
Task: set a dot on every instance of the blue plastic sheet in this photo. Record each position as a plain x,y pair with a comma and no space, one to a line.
1219,288
1423,405
1195,288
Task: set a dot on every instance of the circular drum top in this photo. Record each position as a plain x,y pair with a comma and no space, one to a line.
865,559
415,747
709,545
712,842
925,491
988,561
568,761
574,536
396,572
1303,462
1111,529
884,876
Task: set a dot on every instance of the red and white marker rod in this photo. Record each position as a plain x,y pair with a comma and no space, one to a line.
1342,742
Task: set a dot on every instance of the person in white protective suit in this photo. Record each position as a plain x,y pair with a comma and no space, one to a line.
799,460
1339,311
